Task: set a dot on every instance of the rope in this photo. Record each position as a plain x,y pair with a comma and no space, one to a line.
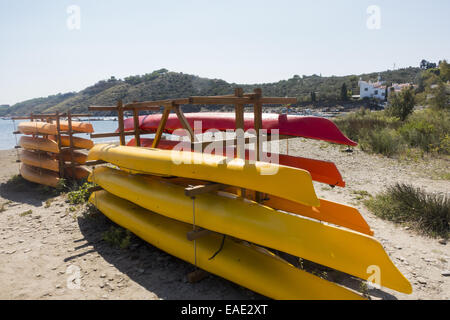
220,249
17,150
193,229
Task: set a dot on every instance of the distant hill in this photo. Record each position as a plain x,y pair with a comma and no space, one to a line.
162,84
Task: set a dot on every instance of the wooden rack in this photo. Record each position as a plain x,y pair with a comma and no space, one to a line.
238,100
70,132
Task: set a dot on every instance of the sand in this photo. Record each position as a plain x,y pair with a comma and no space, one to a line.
43,253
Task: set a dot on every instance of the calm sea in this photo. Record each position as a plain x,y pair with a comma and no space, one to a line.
8,140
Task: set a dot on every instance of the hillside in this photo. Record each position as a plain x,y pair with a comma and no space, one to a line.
162,84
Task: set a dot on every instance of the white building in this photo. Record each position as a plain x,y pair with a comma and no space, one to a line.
373,90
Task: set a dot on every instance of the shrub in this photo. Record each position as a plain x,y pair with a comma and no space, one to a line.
428,130
117,237
385,141
401,104
80,195
402,203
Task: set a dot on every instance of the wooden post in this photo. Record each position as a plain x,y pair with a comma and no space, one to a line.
72,162
121,123
239,112
257,109
58,131
137,130
162,125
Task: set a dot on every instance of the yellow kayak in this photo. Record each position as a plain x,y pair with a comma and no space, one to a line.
247,265
34,143
344,250
40,176
286,182
331,212
39,160
39,127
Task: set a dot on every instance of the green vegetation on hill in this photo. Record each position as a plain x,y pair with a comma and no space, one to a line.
162,84
399,129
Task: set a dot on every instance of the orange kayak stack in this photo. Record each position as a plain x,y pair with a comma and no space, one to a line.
50,152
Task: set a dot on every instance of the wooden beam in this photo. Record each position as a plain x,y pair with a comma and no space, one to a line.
72,161
137,131
277,100
102,108
161,127
220,100
197,275
203,188
239,114
257,109
121,122
48,116
196,234
185,123
156,103
58,138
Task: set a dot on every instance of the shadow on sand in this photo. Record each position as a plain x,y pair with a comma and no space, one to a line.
20,190
153,269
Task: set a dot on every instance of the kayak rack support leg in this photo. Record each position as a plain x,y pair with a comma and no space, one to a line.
197,276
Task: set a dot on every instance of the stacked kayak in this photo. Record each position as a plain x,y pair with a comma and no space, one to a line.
146,194
41,154
288,125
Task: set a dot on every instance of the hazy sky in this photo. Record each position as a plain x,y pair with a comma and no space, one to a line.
43,52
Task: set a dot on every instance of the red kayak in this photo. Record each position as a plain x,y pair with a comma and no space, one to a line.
289,125
321,171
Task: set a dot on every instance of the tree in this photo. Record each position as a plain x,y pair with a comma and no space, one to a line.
313,96
444,69
344,92
401,104
438,97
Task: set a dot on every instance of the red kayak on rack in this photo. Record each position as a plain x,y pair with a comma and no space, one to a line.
321,171
290,125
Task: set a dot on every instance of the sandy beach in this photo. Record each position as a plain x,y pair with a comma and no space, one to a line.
41,251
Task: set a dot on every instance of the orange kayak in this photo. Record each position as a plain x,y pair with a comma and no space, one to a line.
77,142
77,126
40,176
80,172
39,127
34,143
78,156
321,171
39,160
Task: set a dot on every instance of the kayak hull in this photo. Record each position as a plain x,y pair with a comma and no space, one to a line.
39,127
39,160
40,176
343,250
244,264
42,144
298,126
321,171
264,177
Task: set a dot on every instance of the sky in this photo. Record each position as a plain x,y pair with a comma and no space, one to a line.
49,47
